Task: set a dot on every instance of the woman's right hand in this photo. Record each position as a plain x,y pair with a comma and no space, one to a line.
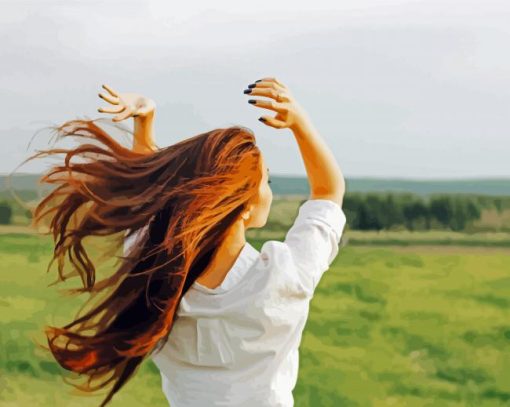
129,104
289,114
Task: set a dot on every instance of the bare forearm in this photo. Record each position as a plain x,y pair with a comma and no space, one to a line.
143,140
324,174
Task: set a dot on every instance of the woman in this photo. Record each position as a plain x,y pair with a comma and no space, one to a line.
221,320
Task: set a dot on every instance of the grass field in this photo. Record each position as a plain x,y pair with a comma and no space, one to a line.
388,326
426,238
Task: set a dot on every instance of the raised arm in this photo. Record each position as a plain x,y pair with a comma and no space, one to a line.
141,108
324,175
143,139
312,242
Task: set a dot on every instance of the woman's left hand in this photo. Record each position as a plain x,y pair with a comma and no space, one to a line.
129,104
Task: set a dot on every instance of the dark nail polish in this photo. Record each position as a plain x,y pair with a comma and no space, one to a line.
246,91
260,80
262,119
252,85
252,101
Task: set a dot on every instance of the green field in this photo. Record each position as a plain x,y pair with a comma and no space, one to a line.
388,326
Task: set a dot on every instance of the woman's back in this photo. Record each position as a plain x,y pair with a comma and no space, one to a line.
237,344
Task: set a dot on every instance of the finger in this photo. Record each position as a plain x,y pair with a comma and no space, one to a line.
112,110
270,93
267,84
108,98
274,80
124,115
271,121
110,90
268,104
280,94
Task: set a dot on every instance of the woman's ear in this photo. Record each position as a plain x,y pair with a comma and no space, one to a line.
247,212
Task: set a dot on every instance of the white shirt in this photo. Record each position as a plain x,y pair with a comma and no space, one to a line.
237,344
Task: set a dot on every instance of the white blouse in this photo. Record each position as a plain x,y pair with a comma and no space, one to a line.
237,344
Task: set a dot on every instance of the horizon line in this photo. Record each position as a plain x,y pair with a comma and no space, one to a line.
365,177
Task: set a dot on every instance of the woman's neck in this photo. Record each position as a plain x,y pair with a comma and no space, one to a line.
224,258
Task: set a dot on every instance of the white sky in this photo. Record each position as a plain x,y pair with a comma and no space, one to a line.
407,89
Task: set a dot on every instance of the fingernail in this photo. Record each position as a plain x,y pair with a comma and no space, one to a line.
246,91
262,119
252,101
252,85
260,80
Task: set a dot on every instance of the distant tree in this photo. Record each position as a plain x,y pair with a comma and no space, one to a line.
5,213
441,209
394,215
465,211
376,215
456,211
364,218
459,216
473,210
498,203
352,207
414,212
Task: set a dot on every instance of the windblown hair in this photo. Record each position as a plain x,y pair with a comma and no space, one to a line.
182,199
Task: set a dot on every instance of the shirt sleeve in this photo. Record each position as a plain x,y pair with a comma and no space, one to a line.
313,240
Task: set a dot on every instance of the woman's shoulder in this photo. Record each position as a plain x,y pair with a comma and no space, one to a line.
277,258
273,253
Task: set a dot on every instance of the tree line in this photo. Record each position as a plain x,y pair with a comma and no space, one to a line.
380,211
376,211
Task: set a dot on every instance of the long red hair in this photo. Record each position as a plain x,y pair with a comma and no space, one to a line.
187,194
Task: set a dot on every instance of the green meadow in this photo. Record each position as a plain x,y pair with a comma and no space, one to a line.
388,326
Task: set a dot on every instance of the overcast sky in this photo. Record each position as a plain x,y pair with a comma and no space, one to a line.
405,89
